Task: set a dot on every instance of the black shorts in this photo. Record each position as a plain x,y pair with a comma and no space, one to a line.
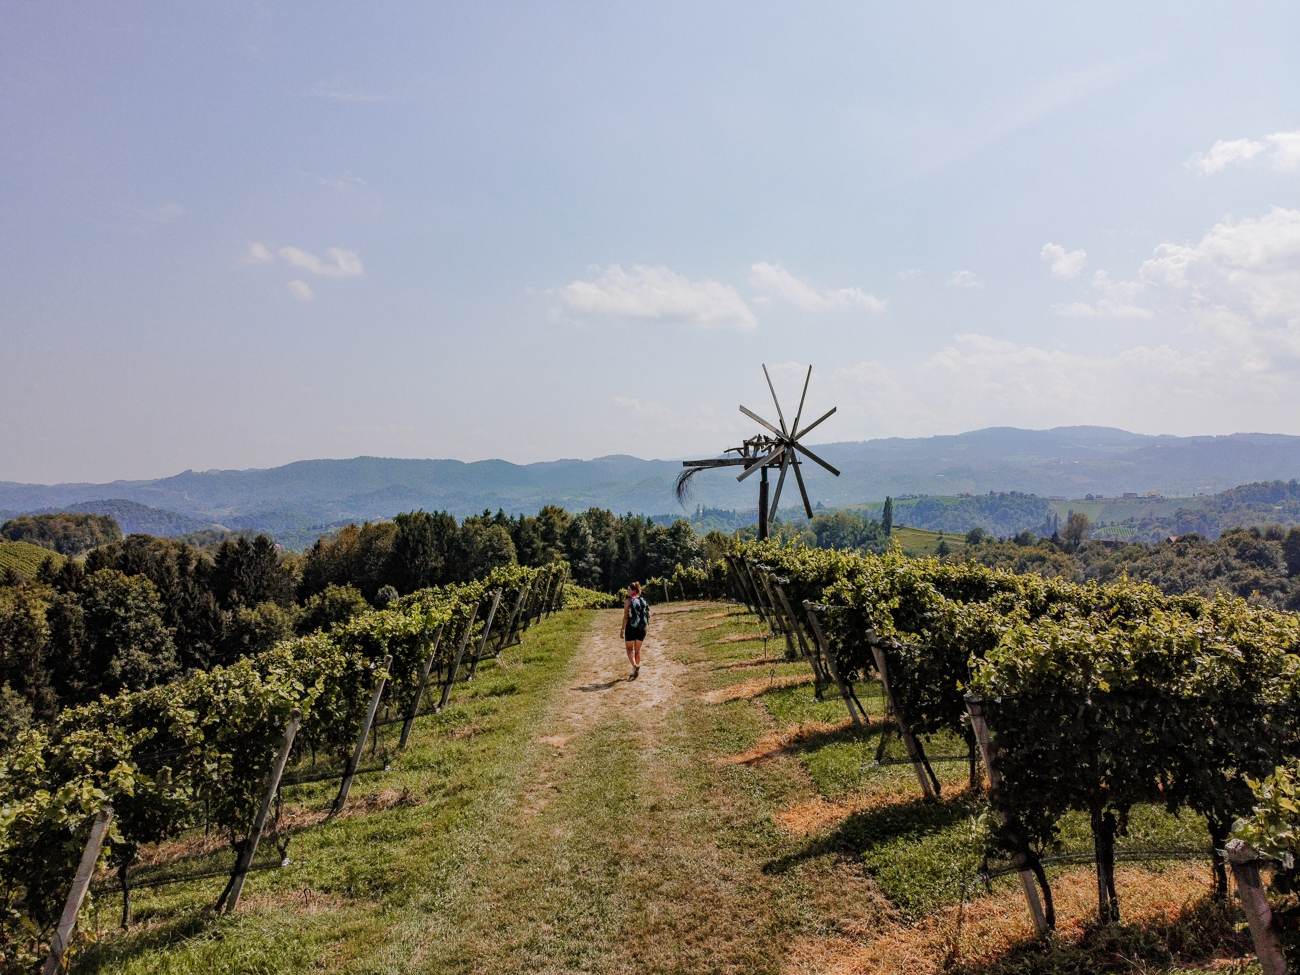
634,633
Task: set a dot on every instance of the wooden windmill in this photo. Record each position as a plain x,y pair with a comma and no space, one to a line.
777,448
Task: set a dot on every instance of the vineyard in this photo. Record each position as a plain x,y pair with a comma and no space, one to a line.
212,752
1081,702
1009,732
24,558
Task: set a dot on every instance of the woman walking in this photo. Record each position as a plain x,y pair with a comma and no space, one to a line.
636,617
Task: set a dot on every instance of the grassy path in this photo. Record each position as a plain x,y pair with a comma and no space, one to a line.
710,817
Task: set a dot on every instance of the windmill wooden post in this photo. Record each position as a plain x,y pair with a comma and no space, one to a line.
779,448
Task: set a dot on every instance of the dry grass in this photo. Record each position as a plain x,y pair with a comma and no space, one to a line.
744,638
985,930
304,902
820,815
776,744
750,662
753,688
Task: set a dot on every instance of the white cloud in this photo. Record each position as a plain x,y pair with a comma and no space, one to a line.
1286,149
1281,149
338,262
774,280
977,380
1115,299
965,279
909,274
654,294
1064,264
301,290
258,253
1224,153
1244,271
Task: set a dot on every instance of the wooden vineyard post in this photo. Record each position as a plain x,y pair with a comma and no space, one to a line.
914,752
759,609
774,621
751,591
77,895
738,583
1027,882
460,654
667,596
557,593
508,636
818,675
737,587
349,773
541,600
1245,871
856,714
760,589
487,631
229,899
787,621
414,708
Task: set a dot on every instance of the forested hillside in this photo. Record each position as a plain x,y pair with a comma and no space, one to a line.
298,502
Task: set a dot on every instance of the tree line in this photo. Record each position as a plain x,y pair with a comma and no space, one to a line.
139,611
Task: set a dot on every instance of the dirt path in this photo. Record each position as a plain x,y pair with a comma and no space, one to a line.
627,850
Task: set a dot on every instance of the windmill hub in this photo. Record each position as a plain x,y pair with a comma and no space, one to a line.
778,448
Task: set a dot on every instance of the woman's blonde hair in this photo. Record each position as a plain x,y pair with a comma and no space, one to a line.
635,588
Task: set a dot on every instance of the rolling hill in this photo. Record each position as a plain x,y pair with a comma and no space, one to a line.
298,501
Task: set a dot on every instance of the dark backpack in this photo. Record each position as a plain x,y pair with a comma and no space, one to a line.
638,613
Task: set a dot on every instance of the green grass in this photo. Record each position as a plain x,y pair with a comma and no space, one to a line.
26,558
354,879
919,541
629,841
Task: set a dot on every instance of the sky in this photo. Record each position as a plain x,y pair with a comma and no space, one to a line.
239,234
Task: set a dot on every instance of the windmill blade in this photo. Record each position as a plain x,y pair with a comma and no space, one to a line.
802,397
715,462
776,497
807,505
813,457
758,419
779,414
762,461
817,422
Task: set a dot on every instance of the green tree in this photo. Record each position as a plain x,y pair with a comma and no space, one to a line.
337,604
252,629
246,573
887,517
1076,529
65,532
422,548
125,642
1291,551
25,651
483,547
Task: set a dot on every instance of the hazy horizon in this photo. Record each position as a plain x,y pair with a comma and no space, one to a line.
240,236
816,444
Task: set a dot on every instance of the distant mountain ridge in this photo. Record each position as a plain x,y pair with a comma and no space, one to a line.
306,496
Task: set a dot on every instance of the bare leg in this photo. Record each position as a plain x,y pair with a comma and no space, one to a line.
636,653
632,654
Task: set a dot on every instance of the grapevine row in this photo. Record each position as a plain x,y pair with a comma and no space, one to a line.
1097,698
198,751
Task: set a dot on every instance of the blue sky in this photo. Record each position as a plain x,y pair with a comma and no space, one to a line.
237,234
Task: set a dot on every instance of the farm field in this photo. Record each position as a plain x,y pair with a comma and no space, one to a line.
712,816
25,558
919,541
